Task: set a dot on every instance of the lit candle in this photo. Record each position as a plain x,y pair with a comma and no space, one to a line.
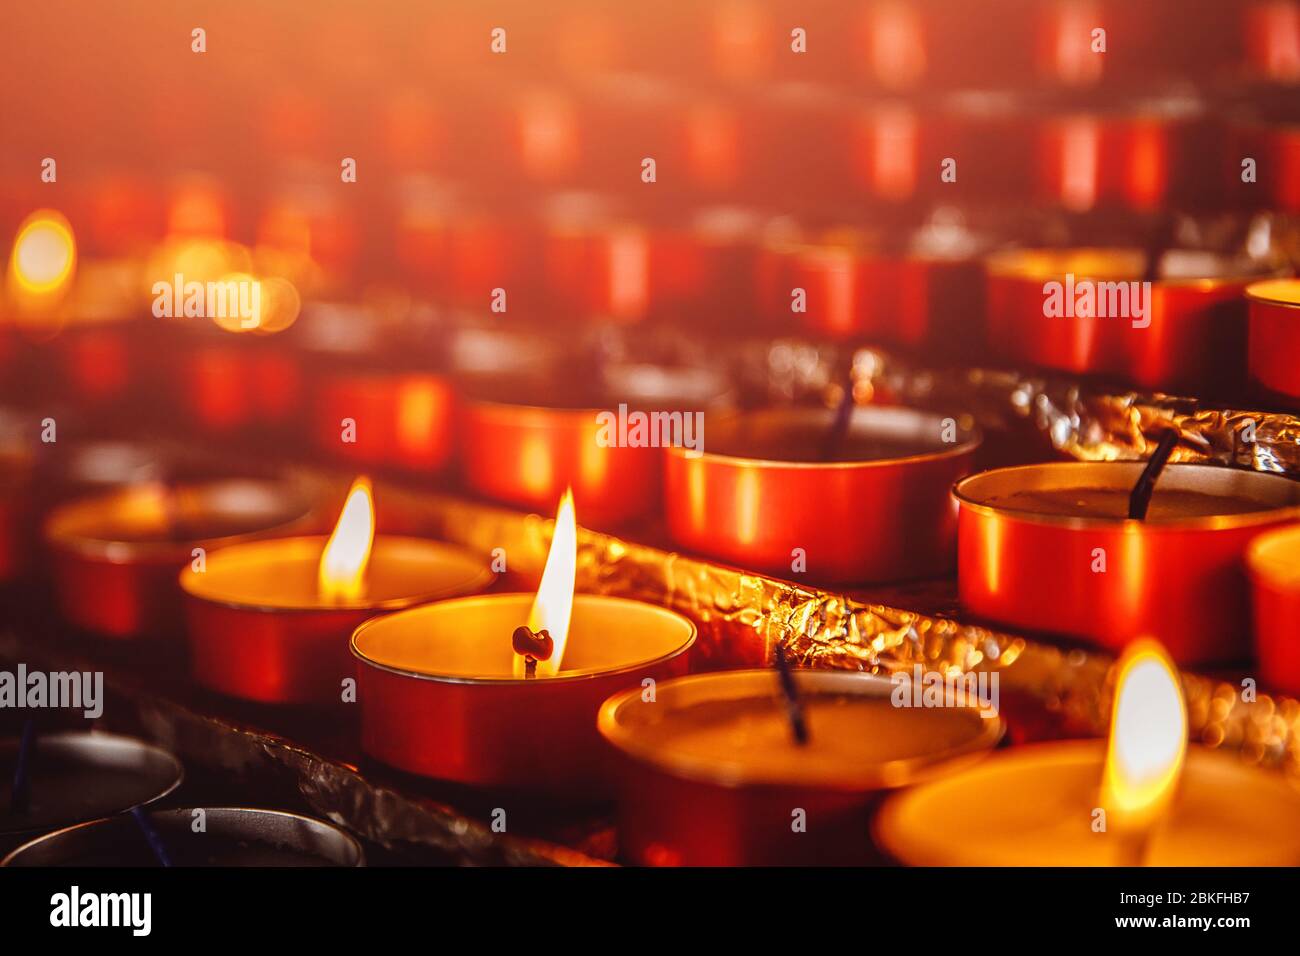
1274,564
1089,312
444,693
768,493
1051,548
116,556
1274,350
1144,798
712,774
269,620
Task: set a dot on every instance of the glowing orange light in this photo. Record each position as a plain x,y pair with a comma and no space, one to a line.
553,605
1148,738
44,254
342,575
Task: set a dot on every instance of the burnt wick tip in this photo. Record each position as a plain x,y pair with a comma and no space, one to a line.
533,646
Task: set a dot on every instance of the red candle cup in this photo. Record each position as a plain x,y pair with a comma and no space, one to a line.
1274,564
524,442
1274,349
769,494
260,629
711,775
1050,548
379,419
16,464
1091,311
440,697
115,557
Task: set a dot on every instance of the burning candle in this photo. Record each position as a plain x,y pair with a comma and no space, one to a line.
1274,564
769,494
231,836
73,777
524,442
1050,548
712,773
1103,312
269,621
116,556
1142,798
444,693
1274,341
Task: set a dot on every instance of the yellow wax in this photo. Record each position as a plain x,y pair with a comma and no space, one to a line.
282,574
1113,503
470,638
733,728
1034,806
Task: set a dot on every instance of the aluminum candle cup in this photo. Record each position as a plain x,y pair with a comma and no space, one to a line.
116,556
1033,806
233,836
1274,564
439,698
879,510
1275,338
74,777
1077,311
710,774
1033,542
259,628
524,443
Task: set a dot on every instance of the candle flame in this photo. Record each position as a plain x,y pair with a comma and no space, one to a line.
553,605
342,575
44,254
1148,738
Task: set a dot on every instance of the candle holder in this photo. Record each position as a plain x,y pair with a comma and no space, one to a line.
1050,548
115,557
766,489
439,697
1191,335
232,836
260,630
1274,564
711,775
1274,338
76,776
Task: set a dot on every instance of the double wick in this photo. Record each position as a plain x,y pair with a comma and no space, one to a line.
790,691
533,646
1139,499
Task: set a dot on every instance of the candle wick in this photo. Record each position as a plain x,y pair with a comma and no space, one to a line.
20,793
790,691
532,646
151,836
530,667
839,427
1139,500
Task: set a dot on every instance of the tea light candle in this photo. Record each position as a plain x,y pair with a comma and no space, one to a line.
73,777
115,557
232,836
525,441
1050,308
766,495
443,693
1274,564
1050,548
1165,803
711,775
1274,350
269,621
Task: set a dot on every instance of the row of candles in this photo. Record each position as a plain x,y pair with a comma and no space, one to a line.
1193,322
573,695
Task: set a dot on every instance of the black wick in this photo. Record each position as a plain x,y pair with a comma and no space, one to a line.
839,428
22,783
533,647
1139,498
152,836
790,691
